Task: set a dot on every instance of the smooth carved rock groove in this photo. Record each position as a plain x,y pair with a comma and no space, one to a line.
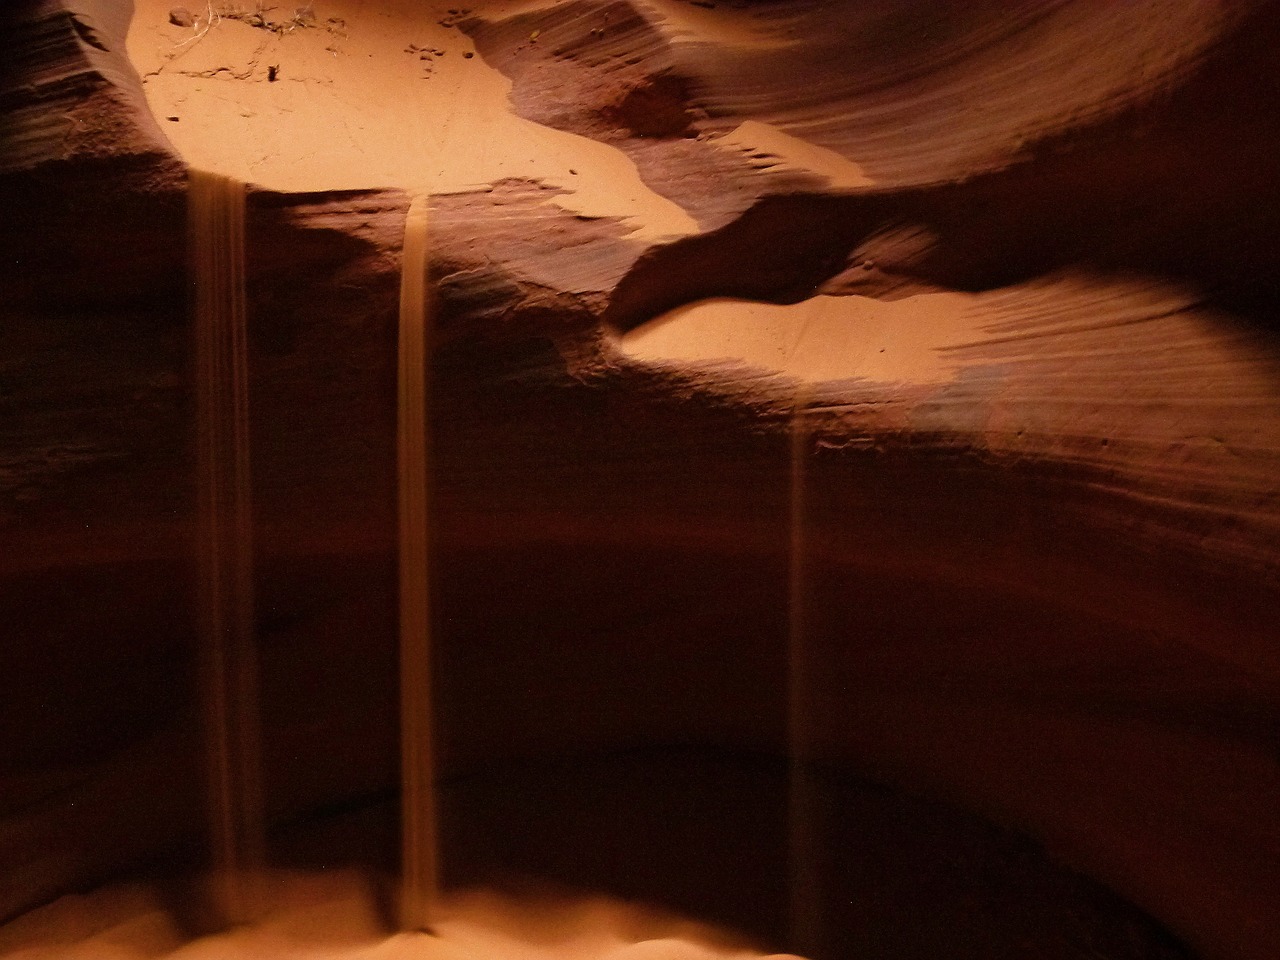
1020,261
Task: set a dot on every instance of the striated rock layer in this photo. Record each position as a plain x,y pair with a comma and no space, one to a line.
1013,265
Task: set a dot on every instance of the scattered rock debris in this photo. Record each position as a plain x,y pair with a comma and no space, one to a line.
428,56
303,16
202,22
454,17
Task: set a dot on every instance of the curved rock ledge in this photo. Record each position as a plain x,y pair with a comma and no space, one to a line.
1014,269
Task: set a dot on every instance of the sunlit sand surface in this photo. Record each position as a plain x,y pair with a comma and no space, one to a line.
820,339
371,94
342,914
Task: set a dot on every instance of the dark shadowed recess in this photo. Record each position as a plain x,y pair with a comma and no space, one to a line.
611,635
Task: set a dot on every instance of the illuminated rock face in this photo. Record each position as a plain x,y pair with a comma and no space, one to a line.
1020,260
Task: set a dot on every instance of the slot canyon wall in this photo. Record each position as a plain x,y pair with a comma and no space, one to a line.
1014,265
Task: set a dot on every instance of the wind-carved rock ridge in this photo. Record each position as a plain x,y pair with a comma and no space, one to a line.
1135,186
68,90
1123,364
1045,569
607,71
1013,235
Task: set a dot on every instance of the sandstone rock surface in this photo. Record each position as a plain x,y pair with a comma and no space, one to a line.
1014,266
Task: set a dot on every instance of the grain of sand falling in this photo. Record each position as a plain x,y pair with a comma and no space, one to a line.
419,857
225,594
802,841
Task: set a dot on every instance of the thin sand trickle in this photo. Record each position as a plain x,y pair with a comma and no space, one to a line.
225,607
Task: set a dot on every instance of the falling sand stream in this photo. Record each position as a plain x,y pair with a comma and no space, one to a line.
419,855
229,691
228,660
804,888
229,683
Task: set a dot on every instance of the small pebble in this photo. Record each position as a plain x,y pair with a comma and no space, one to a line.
468,55
181,17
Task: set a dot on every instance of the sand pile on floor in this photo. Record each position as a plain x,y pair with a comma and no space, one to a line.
343,914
